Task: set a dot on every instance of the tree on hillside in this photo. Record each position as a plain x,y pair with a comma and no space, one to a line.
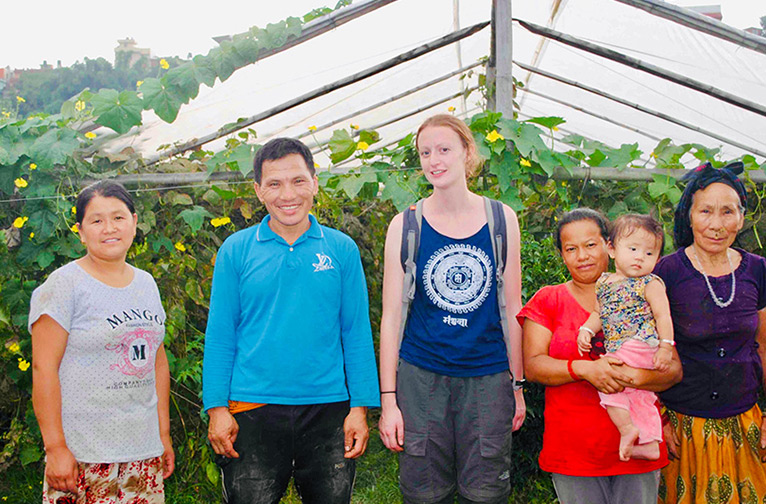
45,91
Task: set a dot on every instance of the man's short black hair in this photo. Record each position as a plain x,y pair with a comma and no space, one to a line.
277,149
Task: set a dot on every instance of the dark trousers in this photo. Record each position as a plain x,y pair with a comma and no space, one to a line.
276,442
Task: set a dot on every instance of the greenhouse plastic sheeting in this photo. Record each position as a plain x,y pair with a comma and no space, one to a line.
405,24
654,40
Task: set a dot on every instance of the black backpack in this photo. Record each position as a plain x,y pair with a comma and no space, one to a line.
413,219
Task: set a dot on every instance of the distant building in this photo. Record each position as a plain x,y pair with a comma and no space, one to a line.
127,54
712,11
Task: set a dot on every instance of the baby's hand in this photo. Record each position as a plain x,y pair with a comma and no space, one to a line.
662,358
583,341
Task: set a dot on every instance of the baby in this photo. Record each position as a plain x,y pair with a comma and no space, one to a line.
634,313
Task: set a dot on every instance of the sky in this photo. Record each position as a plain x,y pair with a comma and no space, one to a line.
70,31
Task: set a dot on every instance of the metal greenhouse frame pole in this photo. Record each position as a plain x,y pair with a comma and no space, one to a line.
593,114
645,67
699,22
385,65
641,108
391,99
500,66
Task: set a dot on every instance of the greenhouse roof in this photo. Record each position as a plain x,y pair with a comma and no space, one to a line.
601,99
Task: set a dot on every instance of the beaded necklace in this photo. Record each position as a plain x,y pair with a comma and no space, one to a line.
718,301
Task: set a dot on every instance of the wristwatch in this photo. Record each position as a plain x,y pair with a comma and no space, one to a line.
519,384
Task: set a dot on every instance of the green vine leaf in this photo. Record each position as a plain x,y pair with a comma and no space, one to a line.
239,158
547,122
294,27
29,453
622,157
398,191
322,11
547,161
528,139
5,157
162,241
54,147
118,111
506,170
369,136
224,60
342,146
352,183
274,35
662,185
189,76
14,143
163,98
194,217
248,50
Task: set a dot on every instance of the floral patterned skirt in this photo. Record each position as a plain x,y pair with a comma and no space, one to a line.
719,463
137,482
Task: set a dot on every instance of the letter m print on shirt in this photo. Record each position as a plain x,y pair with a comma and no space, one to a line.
324,264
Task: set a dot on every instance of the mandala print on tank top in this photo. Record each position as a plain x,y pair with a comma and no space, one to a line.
458,277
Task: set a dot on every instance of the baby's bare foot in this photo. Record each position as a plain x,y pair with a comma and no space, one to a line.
628,437
647,451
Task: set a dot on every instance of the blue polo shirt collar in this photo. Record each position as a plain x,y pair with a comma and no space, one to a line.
265,233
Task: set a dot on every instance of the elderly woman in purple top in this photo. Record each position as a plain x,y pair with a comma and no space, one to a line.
717,297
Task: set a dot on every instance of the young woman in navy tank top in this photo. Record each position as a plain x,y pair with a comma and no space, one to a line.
449,400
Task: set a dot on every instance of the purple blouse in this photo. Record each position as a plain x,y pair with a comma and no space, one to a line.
722,370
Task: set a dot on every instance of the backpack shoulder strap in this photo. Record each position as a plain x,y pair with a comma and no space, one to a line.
411,224
499,234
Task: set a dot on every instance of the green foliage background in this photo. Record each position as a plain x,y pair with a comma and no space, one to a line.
44,160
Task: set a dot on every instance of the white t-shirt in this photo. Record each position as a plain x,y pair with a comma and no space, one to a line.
108,391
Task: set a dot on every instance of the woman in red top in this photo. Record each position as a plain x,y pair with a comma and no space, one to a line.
579,438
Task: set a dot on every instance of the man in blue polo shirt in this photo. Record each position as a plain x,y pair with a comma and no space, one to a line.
289,367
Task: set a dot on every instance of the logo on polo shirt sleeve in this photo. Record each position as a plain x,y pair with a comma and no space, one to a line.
324,264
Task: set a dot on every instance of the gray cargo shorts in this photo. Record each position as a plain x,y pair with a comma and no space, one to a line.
457,435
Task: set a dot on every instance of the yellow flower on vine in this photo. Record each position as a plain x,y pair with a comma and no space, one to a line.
525,162
312,128
75,228
316,165
31,235
14,347
23,364
79,105
138,84
180,247
20,182
493,136
164,64
220,221
451,109
555,128
354,126
20,221
20,99
90,135
6,114
363,146
74,210
32,166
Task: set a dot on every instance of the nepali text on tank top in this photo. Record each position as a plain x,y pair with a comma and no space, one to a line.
454,326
